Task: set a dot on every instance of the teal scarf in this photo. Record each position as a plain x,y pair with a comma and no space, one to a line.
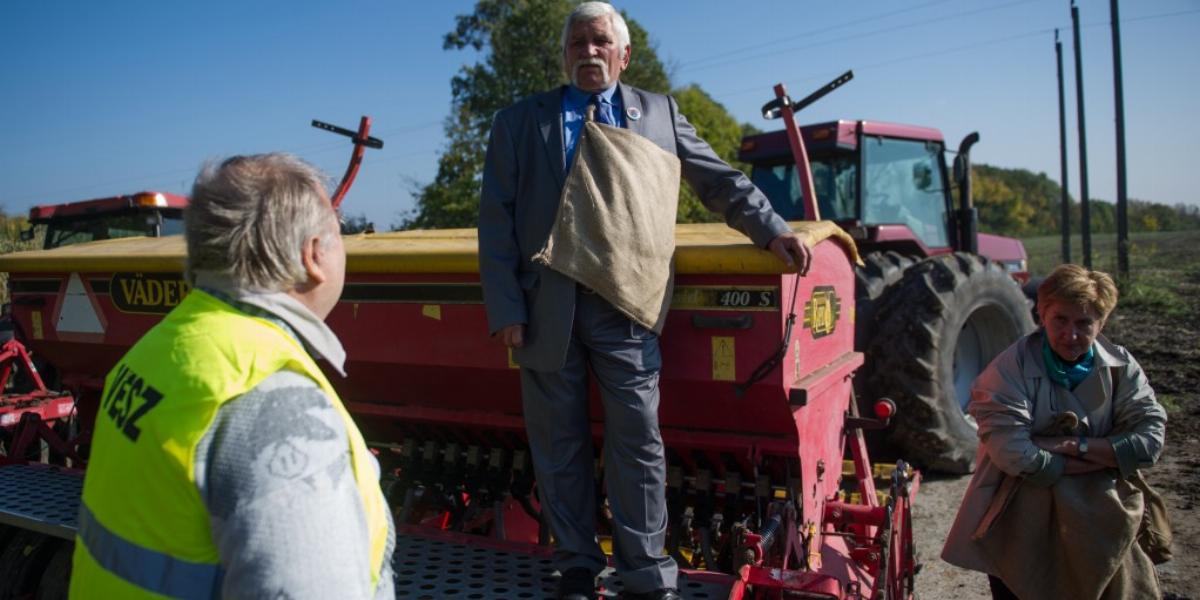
1066,374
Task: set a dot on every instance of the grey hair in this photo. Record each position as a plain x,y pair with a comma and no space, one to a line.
589,11
249,217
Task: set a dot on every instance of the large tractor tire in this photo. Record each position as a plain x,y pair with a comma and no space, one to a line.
22,562
940,326
872,280
57,576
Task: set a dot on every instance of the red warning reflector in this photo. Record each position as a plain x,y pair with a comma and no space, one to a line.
885,409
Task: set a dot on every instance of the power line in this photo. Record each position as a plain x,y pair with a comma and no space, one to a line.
847,24
863,34
1151,17
952,50
760,89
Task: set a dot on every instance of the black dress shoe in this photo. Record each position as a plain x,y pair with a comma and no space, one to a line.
577,584
663,594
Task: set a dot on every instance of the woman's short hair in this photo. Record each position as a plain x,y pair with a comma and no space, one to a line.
249,216
589,11
1079,286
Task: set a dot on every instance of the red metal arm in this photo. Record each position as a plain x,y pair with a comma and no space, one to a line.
811,212
13,351
783,106
362,141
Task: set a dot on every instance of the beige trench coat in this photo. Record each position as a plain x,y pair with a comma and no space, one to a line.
1057,534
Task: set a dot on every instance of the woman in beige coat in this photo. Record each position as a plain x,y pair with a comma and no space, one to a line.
1065,419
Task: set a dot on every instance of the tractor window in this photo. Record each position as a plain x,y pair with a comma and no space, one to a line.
904,186
834,180
172,225
105,227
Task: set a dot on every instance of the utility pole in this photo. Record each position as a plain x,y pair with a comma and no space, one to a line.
1122,199
1085,220
1062,153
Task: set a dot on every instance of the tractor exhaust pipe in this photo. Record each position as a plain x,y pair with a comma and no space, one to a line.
966,216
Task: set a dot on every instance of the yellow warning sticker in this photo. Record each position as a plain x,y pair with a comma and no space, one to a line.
433,311
36,317
723,358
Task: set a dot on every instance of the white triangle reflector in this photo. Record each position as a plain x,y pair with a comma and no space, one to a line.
78,314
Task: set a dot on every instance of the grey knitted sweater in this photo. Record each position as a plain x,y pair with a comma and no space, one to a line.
274,471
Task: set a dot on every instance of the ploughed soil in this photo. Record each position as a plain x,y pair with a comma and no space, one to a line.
1159,322
1169,350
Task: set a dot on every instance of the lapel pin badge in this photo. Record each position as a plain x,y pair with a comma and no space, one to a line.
633,113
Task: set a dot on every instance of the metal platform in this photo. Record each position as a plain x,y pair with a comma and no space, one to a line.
41,498
428,565
436,566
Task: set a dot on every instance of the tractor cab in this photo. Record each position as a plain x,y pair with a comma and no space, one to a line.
886,184
149,214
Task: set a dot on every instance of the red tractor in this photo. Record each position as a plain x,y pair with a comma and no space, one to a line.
936,300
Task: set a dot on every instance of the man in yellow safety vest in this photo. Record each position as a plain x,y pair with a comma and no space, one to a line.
223,462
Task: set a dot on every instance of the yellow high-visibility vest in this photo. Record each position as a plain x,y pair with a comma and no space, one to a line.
143,528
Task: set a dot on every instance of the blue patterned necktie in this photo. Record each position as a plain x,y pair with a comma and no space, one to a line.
603,112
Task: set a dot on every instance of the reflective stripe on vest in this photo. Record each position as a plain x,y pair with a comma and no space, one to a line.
154,571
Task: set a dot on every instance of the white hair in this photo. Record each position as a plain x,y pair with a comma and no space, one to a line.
249,217
589,11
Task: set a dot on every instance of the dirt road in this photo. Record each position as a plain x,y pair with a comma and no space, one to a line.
933,513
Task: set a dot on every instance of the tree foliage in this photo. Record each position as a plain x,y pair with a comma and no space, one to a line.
356,223
1018,202
10,241
521,55
720,130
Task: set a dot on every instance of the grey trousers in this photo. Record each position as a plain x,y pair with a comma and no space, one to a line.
625,360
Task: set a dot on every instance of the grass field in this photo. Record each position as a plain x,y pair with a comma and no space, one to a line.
1161,265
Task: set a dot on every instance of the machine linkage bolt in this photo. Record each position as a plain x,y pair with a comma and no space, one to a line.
762,487
674,477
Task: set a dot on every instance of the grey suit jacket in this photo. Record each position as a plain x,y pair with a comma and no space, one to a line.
523,178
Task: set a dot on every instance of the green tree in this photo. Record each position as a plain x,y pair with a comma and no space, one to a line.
720,130
521,42
356,223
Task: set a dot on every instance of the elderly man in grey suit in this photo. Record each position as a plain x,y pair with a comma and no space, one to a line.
557,328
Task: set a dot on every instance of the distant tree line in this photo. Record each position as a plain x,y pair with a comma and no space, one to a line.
1019,202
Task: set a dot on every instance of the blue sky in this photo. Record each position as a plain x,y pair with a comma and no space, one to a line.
104,98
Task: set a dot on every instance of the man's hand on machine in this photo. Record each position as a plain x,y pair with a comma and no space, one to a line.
512,336
792,252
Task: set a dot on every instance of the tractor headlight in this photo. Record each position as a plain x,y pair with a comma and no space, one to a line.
1015,266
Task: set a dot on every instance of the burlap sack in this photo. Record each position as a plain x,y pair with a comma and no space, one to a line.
615,229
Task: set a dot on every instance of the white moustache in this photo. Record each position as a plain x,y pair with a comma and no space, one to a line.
590,62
